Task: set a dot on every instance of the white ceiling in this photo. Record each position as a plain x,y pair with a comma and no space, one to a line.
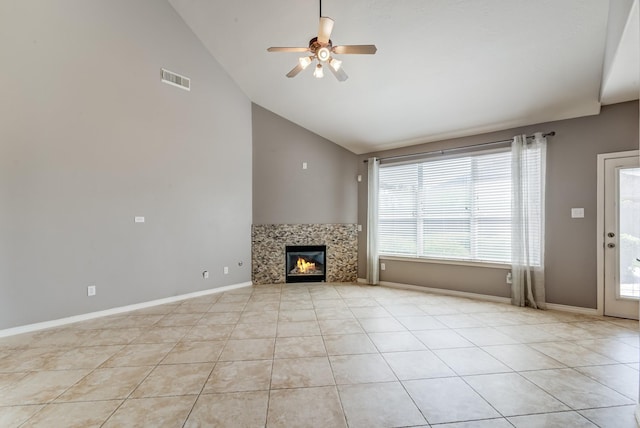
444,68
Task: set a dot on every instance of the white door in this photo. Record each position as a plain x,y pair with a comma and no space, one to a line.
621,239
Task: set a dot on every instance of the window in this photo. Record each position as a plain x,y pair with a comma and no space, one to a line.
447,208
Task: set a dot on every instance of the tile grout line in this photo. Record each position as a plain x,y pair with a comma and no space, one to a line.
215,363
273,357
344,413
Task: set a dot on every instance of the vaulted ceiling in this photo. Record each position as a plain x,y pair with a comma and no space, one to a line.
444,68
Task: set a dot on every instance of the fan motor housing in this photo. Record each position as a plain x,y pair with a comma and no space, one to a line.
315,45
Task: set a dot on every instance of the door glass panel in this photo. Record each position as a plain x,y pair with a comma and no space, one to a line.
629,232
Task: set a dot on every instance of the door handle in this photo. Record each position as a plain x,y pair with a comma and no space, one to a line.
611,245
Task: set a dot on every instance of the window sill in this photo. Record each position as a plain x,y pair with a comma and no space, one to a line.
448,262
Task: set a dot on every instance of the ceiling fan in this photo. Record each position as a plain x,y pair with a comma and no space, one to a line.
321,49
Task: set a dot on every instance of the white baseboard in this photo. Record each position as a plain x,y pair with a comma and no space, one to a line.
114,311
122,309
485,297
572,309
446,292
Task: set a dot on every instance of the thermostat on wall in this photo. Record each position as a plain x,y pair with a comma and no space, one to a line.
577,212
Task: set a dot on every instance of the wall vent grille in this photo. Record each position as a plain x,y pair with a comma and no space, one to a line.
175,79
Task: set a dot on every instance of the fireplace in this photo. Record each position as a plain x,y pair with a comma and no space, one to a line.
306,263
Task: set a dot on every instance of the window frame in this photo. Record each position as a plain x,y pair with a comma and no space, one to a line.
417,219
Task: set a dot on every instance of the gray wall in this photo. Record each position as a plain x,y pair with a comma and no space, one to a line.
571,182
90,138
283,192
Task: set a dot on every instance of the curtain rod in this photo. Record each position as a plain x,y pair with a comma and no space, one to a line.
453,149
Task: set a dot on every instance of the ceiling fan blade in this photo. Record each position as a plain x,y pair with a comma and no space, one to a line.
355,49
281,49
339,73
295,70
325,29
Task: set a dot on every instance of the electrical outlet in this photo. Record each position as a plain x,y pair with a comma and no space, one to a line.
383,266
509,278
205,274
91,290
359,228
226,270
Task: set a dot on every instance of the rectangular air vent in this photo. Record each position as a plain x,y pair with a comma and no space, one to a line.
175,79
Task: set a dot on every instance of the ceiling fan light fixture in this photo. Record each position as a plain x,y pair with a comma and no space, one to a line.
318,73
335,64
323,54
305,61
321,48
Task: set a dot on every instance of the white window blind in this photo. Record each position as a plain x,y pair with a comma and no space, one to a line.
447,208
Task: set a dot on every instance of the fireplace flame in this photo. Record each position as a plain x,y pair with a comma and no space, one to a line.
305,266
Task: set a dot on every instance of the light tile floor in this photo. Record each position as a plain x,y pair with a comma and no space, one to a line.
324,355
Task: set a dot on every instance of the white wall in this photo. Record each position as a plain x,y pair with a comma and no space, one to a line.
90,138
285,193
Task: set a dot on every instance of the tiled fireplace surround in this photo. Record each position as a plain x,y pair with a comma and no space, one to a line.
268,242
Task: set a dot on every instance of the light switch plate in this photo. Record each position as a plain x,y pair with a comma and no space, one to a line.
139,219
577,212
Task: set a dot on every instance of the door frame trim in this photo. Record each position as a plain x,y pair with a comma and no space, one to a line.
600,222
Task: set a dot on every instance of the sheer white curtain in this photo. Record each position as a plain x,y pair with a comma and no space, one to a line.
527,230
373,273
